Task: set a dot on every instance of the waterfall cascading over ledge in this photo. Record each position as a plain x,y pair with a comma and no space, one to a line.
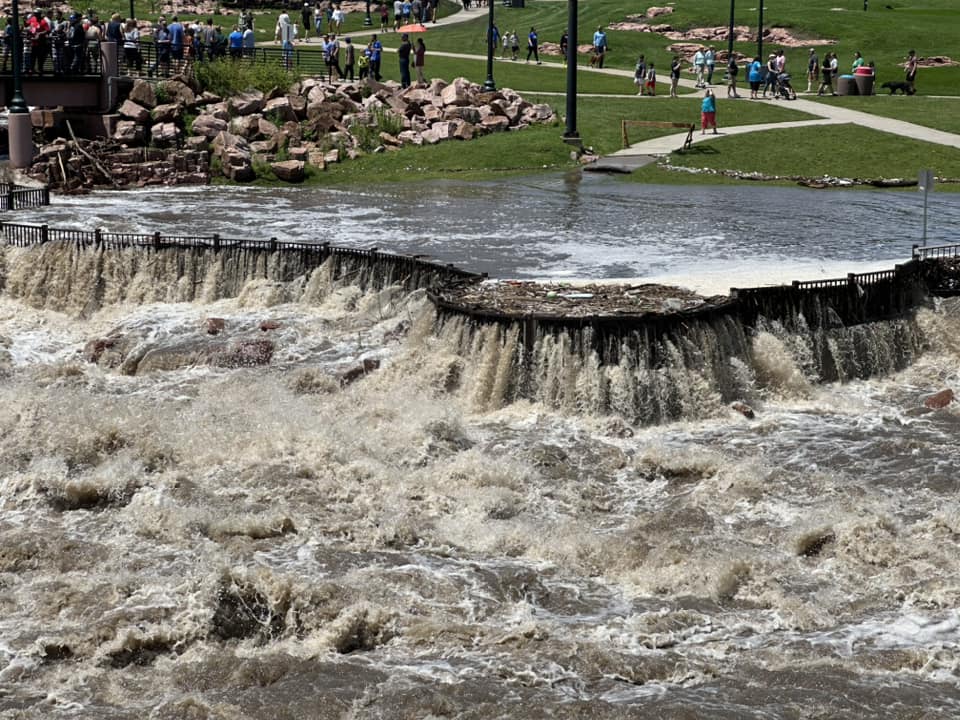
646,367
81,271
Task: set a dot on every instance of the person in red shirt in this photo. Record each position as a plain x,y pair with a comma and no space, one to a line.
39,41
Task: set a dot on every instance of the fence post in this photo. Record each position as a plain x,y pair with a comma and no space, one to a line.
10,197
98,237
156,240
273,244
44,233
216,241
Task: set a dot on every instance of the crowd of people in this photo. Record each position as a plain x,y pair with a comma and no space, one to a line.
67,41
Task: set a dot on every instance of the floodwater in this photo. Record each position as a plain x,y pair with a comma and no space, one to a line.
203,541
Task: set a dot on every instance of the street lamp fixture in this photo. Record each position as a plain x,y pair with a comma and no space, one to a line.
367,22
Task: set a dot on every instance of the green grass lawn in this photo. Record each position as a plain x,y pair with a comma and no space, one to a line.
836,150
883,35
939,113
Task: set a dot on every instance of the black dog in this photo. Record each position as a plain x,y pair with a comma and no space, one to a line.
905,88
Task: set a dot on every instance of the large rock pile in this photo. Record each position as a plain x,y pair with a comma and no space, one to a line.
190,133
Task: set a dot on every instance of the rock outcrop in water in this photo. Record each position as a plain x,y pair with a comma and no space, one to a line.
182,135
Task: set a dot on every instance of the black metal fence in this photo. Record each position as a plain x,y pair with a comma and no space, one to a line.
148,62
935,252
16,197
59,63
368,267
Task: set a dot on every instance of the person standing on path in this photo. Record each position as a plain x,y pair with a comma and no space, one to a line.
651,80
403,53
911,76
732,70
306,16
755,77
640,74
698,63
675,75
710,59
564,46
600,46
514,45
827,73
708,113
419,57
533,44
813,69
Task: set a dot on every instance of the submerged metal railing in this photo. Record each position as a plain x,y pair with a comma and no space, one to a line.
410,271
16,197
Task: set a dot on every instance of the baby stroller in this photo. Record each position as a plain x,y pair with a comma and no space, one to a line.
784,88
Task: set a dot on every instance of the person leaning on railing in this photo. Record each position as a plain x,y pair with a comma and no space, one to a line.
131,47
76,44
161,41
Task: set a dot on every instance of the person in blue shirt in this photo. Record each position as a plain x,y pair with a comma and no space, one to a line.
755,77
708,113
176,42
235,42
600,46
533,45
376,49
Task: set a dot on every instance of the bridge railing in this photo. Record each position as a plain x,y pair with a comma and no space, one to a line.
308,61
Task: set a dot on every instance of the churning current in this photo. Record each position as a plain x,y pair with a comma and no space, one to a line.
184,538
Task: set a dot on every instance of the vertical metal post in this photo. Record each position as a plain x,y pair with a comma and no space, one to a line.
489,85
367,22
17,104
760,35
730,38
570,133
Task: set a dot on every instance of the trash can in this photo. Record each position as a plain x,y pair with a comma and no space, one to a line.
846,85
864,84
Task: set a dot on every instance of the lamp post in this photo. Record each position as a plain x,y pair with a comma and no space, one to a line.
489,84
730,37
570,134
760,35
367,22
133,14
20,127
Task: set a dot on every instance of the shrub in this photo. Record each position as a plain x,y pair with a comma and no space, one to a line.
227,77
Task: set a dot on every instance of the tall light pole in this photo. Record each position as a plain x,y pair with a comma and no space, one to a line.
489,84
20,127
760,35
730,38
570,133
367,22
